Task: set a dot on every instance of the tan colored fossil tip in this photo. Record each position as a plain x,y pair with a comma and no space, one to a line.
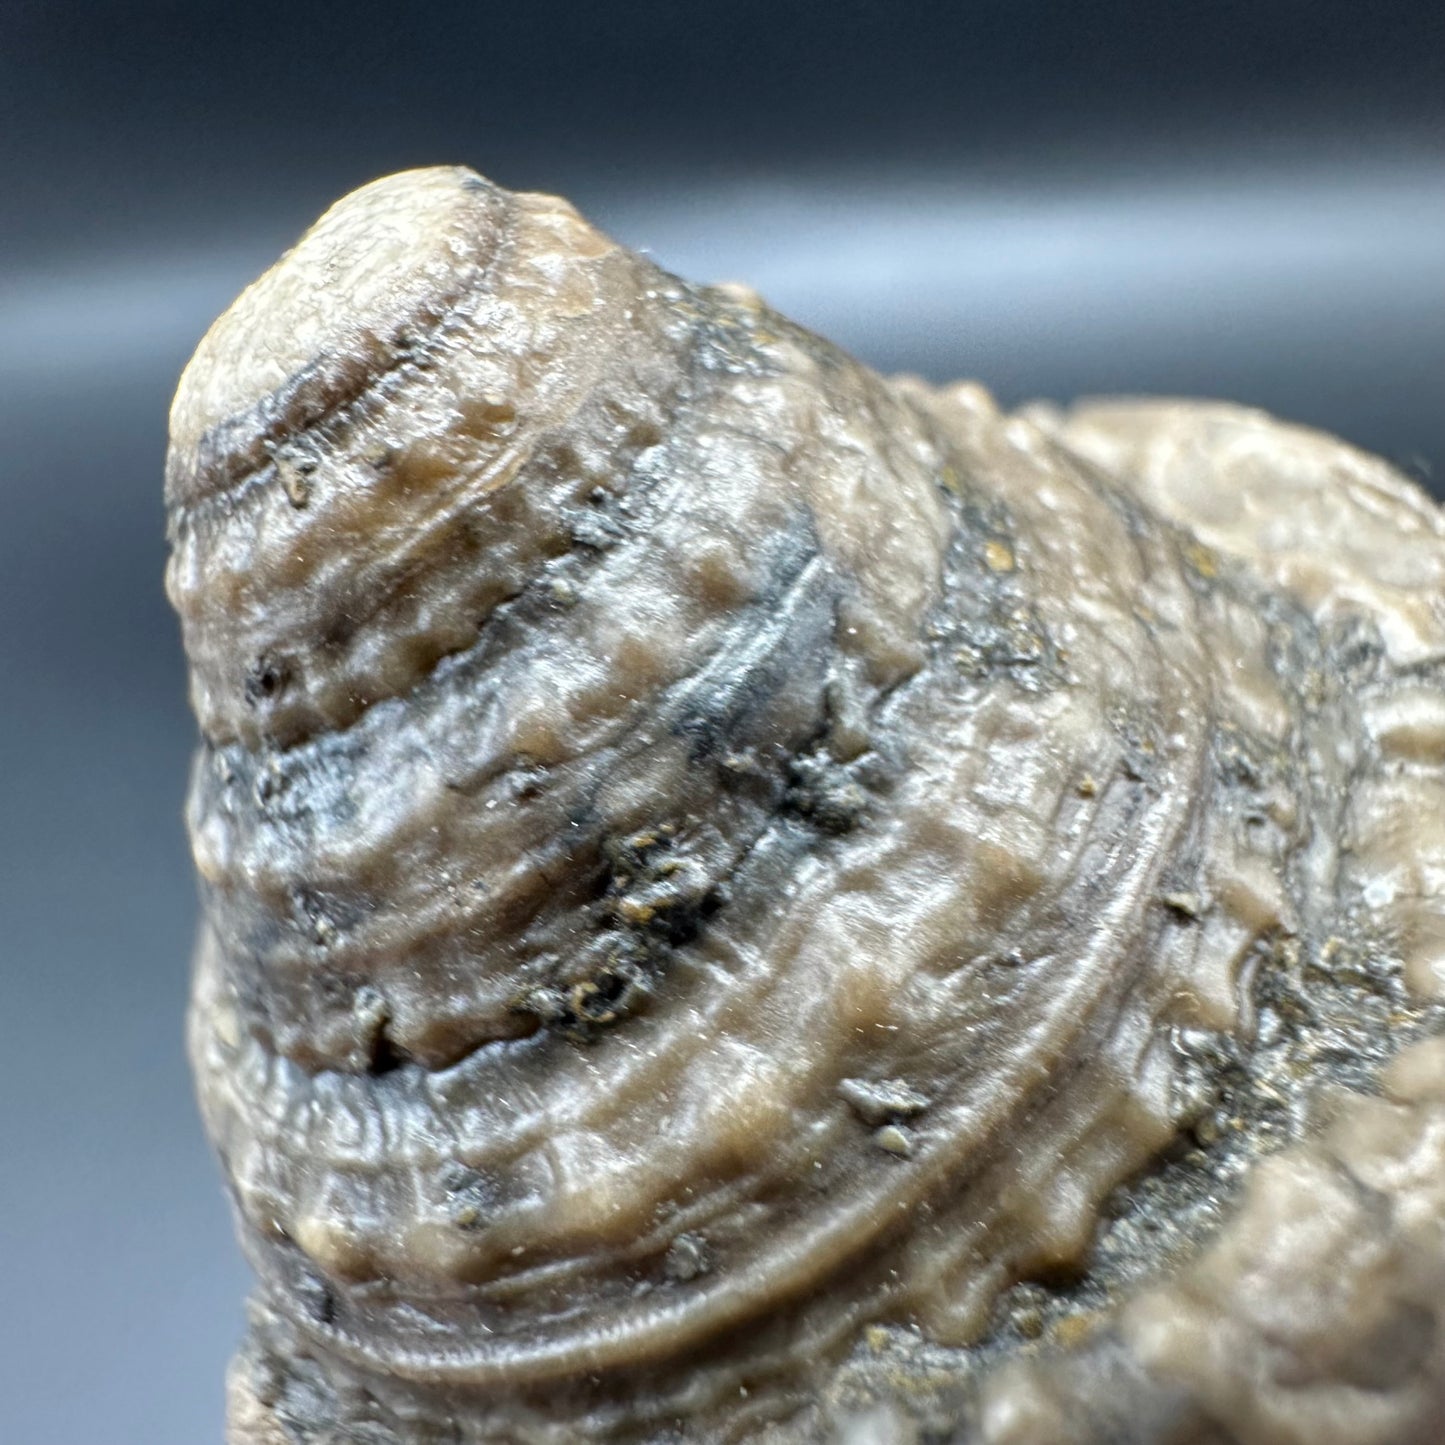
425,335
400,251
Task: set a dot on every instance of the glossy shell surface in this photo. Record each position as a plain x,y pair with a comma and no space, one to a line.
747,900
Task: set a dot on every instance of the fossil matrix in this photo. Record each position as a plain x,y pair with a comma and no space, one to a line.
743,900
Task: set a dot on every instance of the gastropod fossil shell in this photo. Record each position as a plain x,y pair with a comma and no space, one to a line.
747,900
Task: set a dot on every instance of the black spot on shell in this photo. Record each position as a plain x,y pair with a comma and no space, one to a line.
821,791
265,680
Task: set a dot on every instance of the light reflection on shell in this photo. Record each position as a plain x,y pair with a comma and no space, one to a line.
745,900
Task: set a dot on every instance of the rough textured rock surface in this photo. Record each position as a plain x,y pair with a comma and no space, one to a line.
747,900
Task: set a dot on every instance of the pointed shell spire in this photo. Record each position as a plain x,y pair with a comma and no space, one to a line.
740,895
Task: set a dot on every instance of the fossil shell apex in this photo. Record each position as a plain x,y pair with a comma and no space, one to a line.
742,899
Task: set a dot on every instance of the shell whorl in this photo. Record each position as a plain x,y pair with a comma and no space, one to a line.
706,852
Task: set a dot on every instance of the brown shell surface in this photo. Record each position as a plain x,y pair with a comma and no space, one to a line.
744,900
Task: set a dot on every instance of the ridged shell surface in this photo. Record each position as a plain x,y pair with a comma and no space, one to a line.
747,900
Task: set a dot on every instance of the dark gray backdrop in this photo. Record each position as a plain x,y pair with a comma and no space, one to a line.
1243,198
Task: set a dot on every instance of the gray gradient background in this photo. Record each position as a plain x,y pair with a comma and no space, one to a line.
1233,199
